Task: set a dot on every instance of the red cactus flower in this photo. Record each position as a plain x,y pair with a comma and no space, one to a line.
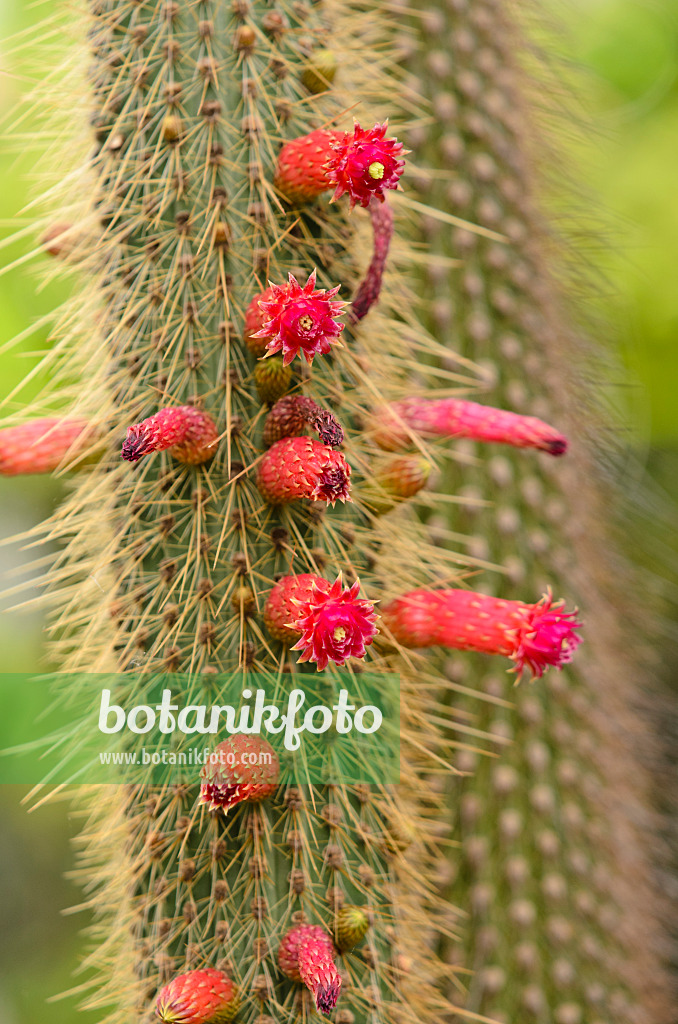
329,623
300,320
291,414
370,287
391,427
242,767
532,635
306,953
301,467
42,445
363,163
207,996
190,434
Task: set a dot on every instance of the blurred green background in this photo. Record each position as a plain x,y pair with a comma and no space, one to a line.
627,55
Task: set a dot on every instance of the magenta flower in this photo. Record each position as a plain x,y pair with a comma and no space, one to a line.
334,623
300,320
365,164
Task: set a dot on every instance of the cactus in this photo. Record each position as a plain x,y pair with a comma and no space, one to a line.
557,838
185,548
219,226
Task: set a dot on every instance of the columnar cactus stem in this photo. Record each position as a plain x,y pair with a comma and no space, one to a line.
193,107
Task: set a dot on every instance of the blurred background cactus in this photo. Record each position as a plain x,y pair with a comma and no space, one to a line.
630,54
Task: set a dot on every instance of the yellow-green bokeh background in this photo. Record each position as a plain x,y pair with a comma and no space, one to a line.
628,54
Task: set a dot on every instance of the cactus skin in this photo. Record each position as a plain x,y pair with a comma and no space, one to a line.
165,565
550,832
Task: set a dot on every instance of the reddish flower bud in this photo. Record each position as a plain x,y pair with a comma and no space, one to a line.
242,767
306,953
300,320
292,414
300,467
395,482
190,434
393,426
207,996
363,163
532,635
42,445
328,623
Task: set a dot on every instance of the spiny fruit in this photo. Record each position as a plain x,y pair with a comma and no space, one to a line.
393,427
301,467
362,163
189,433
534,636
306,953
205,996
335,624
300,319
42,445
243,767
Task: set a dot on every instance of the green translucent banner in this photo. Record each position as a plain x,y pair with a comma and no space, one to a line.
86,728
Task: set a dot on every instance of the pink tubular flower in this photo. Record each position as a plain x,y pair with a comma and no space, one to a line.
365,164
300,320
42,445
334,623
240,768
291,414
190,434
534,636
452,417
306,953
301,467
